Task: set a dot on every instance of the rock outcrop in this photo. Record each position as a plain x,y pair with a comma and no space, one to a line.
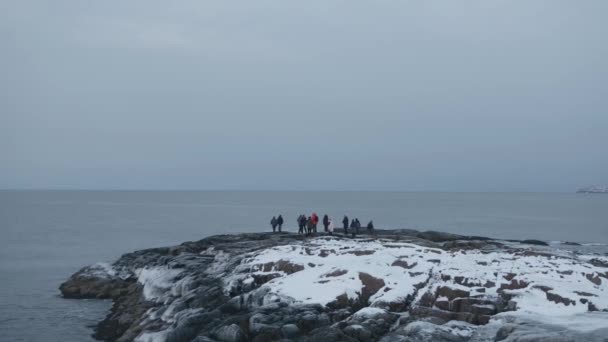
400,285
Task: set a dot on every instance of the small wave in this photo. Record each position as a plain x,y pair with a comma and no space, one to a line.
567,243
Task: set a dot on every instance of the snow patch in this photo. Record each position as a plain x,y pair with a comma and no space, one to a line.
369,312
159,282
531,275
160,336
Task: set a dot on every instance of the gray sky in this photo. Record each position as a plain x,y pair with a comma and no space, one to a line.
341,95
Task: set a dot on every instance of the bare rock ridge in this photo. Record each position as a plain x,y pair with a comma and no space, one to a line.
397,285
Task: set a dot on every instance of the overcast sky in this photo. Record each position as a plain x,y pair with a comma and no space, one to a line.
341,95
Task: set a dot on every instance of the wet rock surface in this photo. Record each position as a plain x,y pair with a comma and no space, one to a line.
397,285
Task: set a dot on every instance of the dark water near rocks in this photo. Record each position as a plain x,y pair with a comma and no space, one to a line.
48,235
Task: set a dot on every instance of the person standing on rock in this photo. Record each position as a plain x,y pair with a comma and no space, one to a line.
315,221
325,222
330,227
309,226
345,223
370,227
280,222
273,223
301,224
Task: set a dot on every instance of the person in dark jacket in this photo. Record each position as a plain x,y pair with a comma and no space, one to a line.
325,222
345,223
370,227
353,227
298,222
304,224
309,226
280,222
301,224
273,223
357,225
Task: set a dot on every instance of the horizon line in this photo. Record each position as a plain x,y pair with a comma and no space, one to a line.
279,190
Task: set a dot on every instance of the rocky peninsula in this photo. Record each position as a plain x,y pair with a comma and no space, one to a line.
394,285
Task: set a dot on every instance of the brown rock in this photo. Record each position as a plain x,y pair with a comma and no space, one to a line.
341,302
404,264
542,288
360,253
427,300
281,265
514,285
371,285
489,284
260,279
594,279
335,273
465,282
450,293
326,252
443,305
592,307
288,267
559,299
598,262
473,305
509,276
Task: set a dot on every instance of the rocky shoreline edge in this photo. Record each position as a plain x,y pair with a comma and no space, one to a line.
395,285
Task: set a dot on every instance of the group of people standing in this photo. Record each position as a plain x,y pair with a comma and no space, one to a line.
355,225
308,224
277,222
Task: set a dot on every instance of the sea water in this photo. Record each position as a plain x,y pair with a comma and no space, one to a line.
45,236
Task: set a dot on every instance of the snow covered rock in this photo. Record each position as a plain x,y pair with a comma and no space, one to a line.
395,286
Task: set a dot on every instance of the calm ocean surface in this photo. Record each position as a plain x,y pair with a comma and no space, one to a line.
48,235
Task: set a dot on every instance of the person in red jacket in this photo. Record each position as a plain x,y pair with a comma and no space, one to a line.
315,221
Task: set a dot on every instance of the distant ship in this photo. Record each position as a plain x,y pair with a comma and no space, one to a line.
596,189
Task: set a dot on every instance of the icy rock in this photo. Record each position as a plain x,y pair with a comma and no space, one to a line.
394,286
231,333
290,330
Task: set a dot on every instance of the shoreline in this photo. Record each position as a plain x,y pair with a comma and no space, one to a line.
206,290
